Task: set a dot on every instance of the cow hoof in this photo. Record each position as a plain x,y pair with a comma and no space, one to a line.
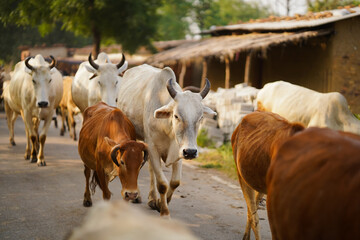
41,164
12,143
87,203
33,160
27,156
153,205
138,200
62,133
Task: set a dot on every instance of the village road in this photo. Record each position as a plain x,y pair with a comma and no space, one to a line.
46,202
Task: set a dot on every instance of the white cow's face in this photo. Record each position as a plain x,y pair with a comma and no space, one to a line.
107,79
185,111
41,80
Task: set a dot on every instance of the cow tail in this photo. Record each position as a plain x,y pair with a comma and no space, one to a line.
94,182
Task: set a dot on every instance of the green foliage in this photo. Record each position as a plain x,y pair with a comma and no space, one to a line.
220,158
357,115
132,23
173,22
222,12
323,5
203,140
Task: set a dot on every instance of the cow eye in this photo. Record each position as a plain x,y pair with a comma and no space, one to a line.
176,116
33,81
116,82
122,162
50,80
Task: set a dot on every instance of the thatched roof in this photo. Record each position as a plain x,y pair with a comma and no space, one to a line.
310,20
227,46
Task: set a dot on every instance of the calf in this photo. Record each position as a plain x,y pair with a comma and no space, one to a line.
107,146
313,186
68,107
254,142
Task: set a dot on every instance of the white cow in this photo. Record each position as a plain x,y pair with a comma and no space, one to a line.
97,81
167,119
299,104
34,91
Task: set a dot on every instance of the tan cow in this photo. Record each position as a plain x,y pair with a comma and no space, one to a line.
120,220
68,107
107,146
254,142
313,186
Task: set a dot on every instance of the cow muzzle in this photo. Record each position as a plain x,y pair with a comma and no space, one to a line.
130,195
189,153
43,104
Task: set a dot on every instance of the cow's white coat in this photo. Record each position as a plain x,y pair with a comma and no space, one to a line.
299,104
169,126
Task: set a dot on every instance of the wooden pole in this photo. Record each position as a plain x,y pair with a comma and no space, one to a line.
227,72
182,74
204,73
247,68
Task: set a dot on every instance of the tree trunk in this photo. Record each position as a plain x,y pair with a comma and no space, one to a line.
96,42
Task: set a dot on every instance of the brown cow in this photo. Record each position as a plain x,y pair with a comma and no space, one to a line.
107,145
68,106
254,142
313,186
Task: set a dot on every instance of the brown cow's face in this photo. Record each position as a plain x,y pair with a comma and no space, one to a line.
129,157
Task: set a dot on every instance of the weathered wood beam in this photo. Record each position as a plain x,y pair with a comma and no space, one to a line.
182,74
247,68
227,72
204,73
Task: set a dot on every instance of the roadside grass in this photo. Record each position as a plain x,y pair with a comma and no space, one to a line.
220,158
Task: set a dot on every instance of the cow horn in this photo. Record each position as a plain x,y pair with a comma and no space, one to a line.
206,89
171,88
114,151
146,155
92,63
28,64
119,65
53,62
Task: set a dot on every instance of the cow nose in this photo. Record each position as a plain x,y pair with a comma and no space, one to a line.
189,153
43,104
131,195
116,100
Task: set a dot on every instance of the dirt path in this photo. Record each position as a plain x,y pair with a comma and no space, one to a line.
46,202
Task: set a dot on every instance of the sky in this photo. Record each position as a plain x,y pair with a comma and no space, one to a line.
278,6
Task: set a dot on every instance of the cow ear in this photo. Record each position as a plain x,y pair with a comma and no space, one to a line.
123,67
209,111
110,142
90,69
164,111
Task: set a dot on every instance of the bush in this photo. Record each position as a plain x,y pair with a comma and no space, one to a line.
203,140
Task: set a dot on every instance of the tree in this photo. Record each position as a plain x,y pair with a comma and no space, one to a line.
130,22
173,21
322,5
223,12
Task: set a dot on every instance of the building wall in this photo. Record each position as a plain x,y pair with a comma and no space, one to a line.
47,51
345,56
303,64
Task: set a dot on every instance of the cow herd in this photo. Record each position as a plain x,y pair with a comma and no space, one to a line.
311,176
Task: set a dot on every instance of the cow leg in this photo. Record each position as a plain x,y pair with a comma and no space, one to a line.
47,122
87,196
63,128
10,117
175,178
71,123
31,135
103,183
152,193
161,181
252,216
